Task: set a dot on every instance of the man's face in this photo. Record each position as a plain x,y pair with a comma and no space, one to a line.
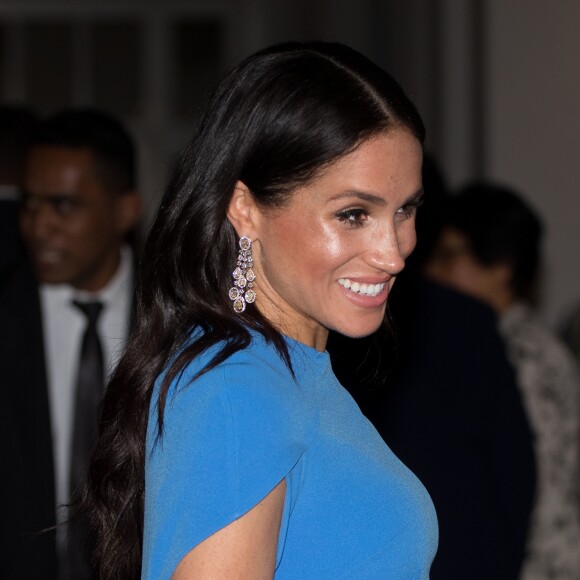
72,226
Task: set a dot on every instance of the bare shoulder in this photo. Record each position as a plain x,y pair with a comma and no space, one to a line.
244,549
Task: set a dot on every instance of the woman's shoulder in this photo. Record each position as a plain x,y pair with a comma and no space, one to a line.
230,436
254,387
258,365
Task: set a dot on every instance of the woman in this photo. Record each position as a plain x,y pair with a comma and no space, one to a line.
490,249
227,447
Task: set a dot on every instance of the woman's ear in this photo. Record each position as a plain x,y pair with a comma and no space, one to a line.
243,211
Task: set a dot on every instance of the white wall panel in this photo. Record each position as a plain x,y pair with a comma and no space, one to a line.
532,136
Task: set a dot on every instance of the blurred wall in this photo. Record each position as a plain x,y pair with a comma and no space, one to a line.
532,125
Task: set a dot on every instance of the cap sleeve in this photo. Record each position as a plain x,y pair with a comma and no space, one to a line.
229,438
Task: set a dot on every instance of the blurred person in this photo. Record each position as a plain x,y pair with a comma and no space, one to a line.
571,332
490,249
61,339
17,123
227,447
446,402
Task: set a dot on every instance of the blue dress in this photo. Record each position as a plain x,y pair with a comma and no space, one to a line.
352,509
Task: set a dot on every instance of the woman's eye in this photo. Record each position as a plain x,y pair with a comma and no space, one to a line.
354,217
410,209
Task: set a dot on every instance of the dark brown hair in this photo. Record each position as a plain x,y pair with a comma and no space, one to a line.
274,122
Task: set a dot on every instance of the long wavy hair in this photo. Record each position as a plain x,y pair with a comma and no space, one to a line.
274,122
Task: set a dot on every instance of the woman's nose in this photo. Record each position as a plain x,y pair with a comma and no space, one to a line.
388,255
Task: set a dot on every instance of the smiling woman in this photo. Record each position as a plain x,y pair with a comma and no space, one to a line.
227,447
354,223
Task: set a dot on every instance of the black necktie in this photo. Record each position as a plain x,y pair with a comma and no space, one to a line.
89,391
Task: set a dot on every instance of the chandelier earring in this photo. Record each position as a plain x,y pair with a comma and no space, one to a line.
242,291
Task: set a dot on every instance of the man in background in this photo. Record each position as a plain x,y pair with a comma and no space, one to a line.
60,339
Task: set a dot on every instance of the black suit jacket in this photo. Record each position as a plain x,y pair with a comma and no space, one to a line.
27,493
11,246
451,411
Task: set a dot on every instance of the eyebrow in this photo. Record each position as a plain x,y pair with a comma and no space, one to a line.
375,199
417,197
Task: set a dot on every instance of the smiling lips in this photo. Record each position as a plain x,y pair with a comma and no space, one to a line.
363,289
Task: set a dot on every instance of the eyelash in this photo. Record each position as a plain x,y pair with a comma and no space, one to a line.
355,217
410,209
352,216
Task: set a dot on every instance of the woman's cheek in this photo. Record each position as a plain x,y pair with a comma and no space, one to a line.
407,238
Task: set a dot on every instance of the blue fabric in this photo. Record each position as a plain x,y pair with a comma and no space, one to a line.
352,510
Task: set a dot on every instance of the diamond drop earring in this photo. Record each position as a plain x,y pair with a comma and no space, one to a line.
242,291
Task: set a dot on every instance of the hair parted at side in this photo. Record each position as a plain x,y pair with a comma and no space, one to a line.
274,122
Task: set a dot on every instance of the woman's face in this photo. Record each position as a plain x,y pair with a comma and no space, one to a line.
328,258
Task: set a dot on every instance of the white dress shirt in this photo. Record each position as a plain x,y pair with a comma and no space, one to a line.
63,328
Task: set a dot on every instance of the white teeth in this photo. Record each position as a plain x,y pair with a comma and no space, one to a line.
365,289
